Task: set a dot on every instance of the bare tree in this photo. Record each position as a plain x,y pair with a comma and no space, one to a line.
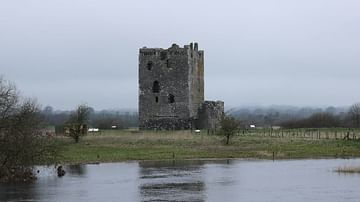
354,113
21,143
77,124
229,126
9,98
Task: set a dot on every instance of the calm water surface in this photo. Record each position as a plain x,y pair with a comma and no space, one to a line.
222,180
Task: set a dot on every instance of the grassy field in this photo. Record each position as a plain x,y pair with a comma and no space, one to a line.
122,145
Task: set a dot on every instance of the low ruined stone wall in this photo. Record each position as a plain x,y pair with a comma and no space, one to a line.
166,124
210,115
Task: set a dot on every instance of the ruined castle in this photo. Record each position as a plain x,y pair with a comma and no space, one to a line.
171,90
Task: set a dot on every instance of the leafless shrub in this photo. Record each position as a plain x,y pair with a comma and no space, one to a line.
21,143
77,124
229,126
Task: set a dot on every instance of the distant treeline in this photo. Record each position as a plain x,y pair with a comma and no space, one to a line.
319,120
104,119
295,117
284,116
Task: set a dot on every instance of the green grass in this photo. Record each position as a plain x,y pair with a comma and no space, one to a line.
110,146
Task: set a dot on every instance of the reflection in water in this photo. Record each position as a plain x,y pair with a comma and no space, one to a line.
29,191
172,181
18,191
79,170
234,180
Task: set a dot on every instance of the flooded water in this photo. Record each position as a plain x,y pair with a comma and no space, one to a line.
221,180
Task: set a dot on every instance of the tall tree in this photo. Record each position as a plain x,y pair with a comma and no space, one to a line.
77,124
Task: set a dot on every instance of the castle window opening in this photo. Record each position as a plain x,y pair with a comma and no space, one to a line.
156,99
167,63
149,65
171,98
156,87
163,55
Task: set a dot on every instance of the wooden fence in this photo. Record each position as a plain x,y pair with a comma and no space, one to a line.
336,133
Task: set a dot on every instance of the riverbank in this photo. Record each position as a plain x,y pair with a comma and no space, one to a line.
117,145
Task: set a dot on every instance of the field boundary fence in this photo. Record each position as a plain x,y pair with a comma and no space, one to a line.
305,133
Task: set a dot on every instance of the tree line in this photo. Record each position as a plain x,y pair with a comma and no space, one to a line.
104,119
327,120
294,117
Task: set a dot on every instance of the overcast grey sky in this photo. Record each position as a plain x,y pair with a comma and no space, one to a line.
294,52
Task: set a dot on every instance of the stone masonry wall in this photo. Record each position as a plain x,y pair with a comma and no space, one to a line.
210,115
196,80
170,86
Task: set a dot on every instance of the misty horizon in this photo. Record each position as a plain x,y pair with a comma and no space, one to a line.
227,110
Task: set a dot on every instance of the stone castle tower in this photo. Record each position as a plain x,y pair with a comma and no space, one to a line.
171,89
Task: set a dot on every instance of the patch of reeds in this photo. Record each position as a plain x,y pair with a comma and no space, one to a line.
348,169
